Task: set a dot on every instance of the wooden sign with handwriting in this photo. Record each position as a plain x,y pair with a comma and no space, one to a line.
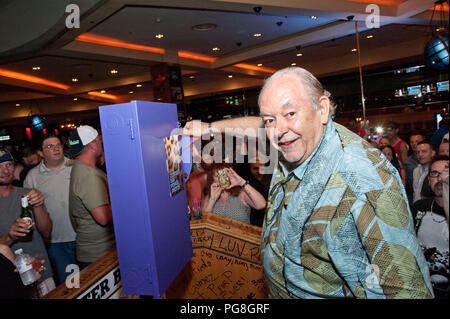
226,262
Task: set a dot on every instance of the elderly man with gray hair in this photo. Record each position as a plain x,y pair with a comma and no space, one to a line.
337,224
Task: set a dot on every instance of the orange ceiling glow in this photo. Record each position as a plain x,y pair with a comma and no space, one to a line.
254,68
96,39
107,96
196,56
440,7
380,2
32,79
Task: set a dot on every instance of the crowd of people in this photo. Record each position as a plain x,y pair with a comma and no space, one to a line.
423,167
338,210
71,209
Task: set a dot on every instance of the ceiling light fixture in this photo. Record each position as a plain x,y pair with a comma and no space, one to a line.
131,92
114,71
313,18
216,49
204,27
257,35
75,99
74,80
294,64
36,68
260,64
17,104
370,36
230,76
103,91
354,50
299,54
159,36
138,85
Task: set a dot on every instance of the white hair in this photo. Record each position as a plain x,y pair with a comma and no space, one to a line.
313,87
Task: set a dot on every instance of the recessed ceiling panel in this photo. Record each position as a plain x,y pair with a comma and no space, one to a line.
175,29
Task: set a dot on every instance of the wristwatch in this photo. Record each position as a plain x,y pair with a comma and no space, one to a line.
245,184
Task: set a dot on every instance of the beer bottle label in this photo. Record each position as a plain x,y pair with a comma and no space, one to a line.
29,222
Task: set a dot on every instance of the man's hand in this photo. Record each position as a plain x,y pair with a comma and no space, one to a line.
19,229
195,128
35,198
38,266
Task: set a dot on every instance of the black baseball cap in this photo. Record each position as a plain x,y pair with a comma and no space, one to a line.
5,156
80,137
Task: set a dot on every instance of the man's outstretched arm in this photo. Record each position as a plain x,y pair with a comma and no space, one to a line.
198,128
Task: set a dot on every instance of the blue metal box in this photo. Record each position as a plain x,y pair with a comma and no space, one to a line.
151,226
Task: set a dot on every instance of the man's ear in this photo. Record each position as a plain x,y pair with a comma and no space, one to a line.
41,154
324,109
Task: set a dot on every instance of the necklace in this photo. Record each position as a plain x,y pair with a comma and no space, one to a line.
431,213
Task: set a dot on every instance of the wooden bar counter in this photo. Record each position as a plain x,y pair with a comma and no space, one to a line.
226,264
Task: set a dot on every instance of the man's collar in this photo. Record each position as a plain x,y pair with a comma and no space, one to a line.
6,190
43,168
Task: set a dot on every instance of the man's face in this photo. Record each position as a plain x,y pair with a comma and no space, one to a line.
98,146
384,141
414,140
443,149
436,181
391,132
424,153
52,150
6,173
293,126
254,170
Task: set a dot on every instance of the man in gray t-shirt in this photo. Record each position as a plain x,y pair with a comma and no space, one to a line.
51,177
13,229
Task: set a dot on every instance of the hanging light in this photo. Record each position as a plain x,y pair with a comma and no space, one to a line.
436,50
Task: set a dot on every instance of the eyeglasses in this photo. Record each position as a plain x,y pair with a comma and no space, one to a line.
435,174
7,164
52,146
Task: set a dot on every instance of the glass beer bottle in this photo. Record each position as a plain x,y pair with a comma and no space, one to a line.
27,214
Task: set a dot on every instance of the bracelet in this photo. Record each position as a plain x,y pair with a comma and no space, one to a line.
245,184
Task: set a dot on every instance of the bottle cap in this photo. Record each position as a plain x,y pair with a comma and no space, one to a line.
24,201
18,251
